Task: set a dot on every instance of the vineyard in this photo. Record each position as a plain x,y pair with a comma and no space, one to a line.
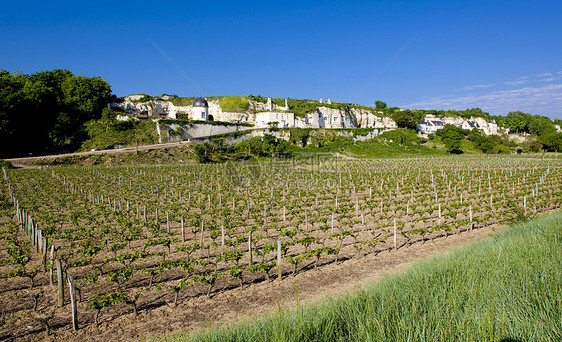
81,245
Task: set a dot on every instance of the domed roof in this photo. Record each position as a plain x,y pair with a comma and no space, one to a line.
200,102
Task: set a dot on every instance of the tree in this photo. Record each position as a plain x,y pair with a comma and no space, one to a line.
540,125
87,94
407,118
532,144
380,105
45,111
552,141
107,117
452,137
481,142
518,121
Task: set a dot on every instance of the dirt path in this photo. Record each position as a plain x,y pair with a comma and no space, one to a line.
239,304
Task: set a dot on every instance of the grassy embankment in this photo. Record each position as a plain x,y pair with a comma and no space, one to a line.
396,143
105,135
504,288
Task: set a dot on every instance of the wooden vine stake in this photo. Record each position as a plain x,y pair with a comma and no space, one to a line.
279,271
52,277
470,215
395,233
60,283
39,240
72,290
362,223
44,251
182,230
250,246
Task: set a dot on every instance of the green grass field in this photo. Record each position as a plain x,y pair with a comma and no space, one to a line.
507,287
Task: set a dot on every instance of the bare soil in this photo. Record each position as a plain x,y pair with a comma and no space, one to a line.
118,322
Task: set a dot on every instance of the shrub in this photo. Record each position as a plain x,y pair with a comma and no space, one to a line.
6,164
501,149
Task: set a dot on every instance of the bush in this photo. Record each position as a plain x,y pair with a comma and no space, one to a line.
452,137
182,116
501,149
6,164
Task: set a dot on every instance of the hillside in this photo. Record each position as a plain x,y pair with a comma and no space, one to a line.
55,112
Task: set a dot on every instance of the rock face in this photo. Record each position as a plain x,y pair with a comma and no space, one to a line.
156,108
323,117
326,117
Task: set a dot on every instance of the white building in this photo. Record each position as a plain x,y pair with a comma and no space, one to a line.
275,119
492,128
468,124
429,126
200,109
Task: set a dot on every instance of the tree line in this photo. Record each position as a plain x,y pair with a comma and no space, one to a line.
45,112
540,131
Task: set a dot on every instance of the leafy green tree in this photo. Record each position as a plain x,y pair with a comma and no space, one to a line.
107,117
45,111
518,121
380,105
452,137
552,141
540,125
407,118
481,142
87,94
532,144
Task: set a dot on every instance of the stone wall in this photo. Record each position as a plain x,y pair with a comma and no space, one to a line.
286,135
196,131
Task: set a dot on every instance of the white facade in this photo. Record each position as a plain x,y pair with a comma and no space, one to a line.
200,113
266,119
432,123
470,125
492,128
430,126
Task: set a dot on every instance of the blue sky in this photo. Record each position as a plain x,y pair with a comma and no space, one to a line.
500,56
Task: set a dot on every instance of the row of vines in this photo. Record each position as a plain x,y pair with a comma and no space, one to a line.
134,238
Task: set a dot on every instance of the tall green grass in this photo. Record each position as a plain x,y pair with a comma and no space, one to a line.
503,288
